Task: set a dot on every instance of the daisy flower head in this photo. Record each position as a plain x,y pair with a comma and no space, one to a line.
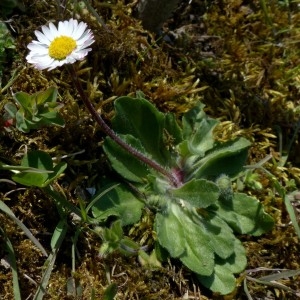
56,46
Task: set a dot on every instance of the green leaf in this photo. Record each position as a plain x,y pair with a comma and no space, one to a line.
198,132
116,229
37,110
30,178
52,118
111,238
222,279
170,232
11,109
123,162
199,193
118,202
49,95
20,121
59,233
220,235
110,292
42,161
237,261
172,129
114,239
24,100
245,215
227,158
139,118
57,171
184,239
50,262
128,246
150,261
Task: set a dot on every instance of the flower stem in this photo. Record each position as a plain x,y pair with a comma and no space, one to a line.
110,132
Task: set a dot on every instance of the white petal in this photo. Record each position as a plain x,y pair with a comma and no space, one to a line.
37,48
61,28
52,66
79,30
42,38
85,41
49,66
44,63
74,22
46,59
72,25
29,59
70,59
59,63
53,30
79,55
48,33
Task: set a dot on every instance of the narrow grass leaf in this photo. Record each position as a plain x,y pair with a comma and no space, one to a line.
9,212
56,241
281,275
291,211
13,265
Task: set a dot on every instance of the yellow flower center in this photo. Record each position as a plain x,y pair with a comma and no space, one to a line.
61,47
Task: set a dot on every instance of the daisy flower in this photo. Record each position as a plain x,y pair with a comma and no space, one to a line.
58,46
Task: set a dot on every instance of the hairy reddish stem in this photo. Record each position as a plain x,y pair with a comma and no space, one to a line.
174,180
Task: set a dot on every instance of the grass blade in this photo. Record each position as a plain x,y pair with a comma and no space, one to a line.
56,241
9,212
291,212
13,265
281,275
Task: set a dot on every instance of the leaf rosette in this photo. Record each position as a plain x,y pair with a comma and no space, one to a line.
196,220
